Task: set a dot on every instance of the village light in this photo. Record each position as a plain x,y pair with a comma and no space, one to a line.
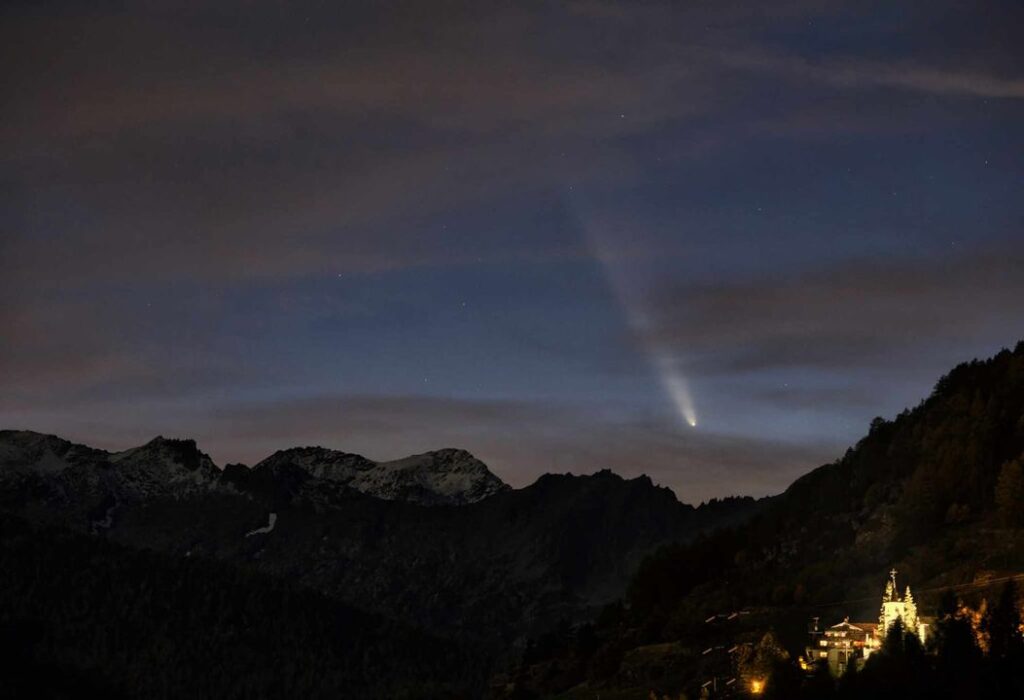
756,687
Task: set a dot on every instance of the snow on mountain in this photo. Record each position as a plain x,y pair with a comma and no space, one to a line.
268,528
61,471
169,468
23,451
165,467
442,477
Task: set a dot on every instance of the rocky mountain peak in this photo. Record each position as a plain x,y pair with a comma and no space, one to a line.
442,477
28,451
174,467
319,462
183,452
164,466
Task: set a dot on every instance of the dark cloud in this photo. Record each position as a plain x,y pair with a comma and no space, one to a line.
183,141
858,314
952,80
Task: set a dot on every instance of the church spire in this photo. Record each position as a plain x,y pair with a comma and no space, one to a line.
891,593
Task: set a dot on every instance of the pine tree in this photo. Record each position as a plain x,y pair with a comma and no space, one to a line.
1010,494
893,644
958,660
850,683
910,612
1006,643
821,684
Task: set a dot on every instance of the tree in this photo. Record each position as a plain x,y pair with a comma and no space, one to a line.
900,669
1003,625
849,685
1010,494
821,684
954,643
892,645
765,664
959,666
1006,642
784,682
923,505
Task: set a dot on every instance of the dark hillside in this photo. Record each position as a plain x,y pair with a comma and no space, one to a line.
912,488
937,492
81,616
488,572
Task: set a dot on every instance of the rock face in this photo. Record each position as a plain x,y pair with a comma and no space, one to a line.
79,484
168,468
444,477
161,467
45,468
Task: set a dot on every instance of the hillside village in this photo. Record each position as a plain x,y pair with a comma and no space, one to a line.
853,642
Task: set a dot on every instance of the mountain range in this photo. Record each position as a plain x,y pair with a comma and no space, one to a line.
434,541
171,468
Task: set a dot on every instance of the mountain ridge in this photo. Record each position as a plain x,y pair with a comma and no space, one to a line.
491,569
448,476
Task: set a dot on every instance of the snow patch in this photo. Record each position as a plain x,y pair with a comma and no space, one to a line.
271,521
108,520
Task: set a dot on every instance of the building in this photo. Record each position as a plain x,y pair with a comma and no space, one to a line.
840,645
853,642
896,608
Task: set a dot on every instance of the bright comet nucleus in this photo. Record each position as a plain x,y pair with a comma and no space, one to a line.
678,390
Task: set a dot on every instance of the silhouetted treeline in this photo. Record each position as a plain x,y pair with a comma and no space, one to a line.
82,617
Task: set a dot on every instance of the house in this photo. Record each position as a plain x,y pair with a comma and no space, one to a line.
840,645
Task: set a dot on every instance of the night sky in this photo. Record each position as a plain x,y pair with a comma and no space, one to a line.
554,234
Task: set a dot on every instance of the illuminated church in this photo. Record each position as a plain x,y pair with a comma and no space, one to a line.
896,608
853,642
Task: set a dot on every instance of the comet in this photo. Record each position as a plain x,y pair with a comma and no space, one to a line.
670,376
677,388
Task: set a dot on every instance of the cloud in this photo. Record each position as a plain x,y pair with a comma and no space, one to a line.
861,73
856,314
168,142
813,398
941,82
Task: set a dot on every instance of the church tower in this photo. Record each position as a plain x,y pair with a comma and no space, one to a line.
896,608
